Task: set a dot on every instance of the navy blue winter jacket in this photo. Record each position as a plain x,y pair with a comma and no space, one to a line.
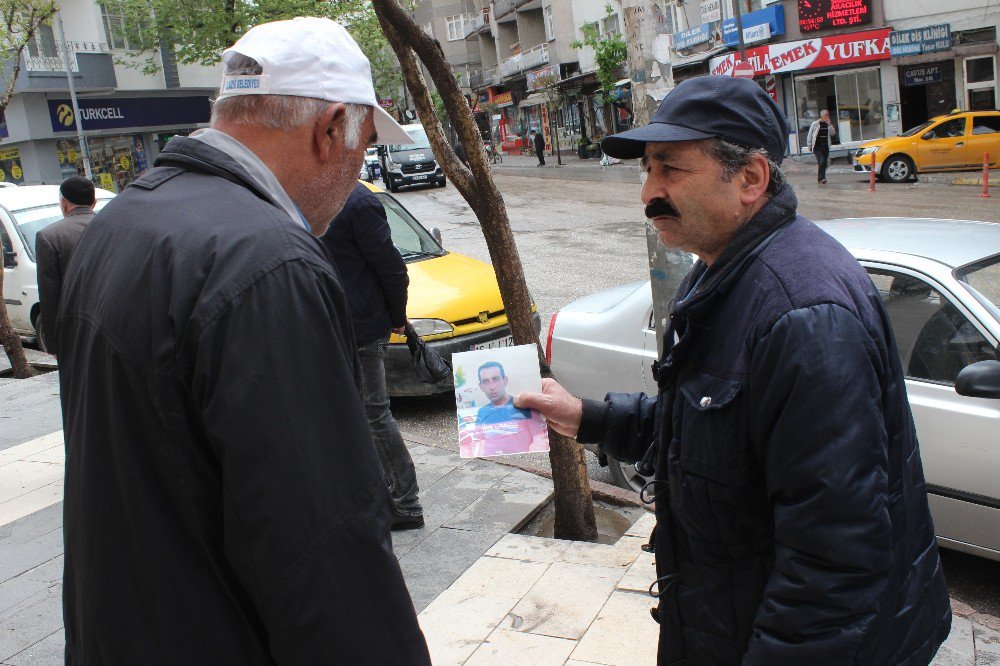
792,517
370,266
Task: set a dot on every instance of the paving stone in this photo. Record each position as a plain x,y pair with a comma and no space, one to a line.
31,621
488,574
23,590
948,657
564,601
506,506
50,651
623,634
640,575
29,408
505,647
30,541
987,641
529,548
440,559
622,554
643,526
454,492
577,662
960,639
457,622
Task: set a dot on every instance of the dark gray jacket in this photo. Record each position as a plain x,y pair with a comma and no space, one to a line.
224,501
792,517
54,246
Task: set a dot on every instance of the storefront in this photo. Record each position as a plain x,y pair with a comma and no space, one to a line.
926,77
10,165
838,73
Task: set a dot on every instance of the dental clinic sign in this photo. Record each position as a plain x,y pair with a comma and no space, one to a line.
129,112
832,51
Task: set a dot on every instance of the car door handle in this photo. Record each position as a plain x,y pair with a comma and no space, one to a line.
959,144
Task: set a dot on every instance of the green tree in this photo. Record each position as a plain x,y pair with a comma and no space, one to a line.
610,51
21,19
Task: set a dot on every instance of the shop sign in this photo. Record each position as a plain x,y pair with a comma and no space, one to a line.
504,99
827,14
754,23
931,39
115,113
387,103
711,11
922,75
688,38
541,77
832,51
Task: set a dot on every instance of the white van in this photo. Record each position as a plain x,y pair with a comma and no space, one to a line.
24,211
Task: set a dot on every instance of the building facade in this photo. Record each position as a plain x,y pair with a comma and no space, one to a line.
126,115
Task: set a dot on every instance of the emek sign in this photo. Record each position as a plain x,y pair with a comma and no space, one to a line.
832,51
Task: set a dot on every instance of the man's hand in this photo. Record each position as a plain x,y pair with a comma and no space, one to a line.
562,410
399,331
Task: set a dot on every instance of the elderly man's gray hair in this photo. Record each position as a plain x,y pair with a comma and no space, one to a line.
281,112
732,158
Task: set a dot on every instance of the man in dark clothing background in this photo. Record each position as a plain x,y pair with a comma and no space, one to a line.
224,502
792,517
54,246
538,141
821,135
374,275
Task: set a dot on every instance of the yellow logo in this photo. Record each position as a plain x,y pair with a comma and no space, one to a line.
16,172
484,317
124,162
3,176
65,114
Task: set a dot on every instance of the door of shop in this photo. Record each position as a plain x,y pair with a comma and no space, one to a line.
926,91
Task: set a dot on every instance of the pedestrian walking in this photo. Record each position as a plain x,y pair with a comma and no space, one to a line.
54,246
538,141
224,502
821,135
792,517
374,276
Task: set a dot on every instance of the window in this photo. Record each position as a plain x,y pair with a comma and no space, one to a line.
854,100
43,43
980,83
116,30
456,27
985,124
549,32
934,339
609,25
947,130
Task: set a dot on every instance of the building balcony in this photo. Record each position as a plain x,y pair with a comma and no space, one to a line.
51,60
535,56
90,63
510,66
477,23
489,76
503,7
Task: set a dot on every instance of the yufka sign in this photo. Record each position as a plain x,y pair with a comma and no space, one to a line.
832,51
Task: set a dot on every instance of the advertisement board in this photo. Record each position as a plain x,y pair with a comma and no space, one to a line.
759,25
831,51
696,35
829,14
105,113
931,39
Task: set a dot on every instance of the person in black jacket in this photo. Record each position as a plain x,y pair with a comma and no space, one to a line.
374,275
54,246
538,142
792,517
224,503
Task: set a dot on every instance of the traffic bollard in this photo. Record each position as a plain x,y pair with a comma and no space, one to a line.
986,176
871,177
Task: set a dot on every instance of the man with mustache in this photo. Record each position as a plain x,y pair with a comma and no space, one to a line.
792,518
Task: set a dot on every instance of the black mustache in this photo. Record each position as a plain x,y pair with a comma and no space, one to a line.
659,207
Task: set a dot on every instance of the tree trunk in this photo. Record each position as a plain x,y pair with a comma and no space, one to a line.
573,502
12,342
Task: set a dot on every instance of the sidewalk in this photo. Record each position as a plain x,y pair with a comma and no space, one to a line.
485,596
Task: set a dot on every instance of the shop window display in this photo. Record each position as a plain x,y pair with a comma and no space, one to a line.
115,161
854,100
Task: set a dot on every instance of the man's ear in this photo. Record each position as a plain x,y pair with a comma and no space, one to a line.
328,132
755,176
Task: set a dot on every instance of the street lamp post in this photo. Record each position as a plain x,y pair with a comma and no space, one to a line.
84,150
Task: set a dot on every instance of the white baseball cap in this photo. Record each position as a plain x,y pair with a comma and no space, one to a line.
309,57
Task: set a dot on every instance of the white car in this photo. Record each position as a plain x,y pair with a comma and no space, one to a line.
24,211
940,281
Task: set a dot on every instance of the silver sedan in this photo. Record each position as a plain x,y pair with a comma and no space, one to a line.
940,282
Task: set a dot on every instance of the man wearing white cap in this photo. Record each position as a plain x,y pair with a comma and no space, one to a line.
224,502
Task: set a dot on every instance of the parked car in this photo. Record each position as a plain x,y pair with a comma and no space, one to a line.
952,142
412,164
454,301
24,211
940,281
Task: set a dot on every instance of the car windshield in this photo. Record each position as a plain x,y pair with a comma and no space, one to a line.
420,141
983,280
918,129
32,220
408,235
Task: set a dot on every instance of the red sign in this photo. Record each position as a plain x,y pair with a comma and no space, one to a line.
831,51
826,14
743,70
386,103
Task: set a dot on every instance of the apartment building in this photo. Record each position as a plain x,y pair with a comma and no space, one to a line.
126,115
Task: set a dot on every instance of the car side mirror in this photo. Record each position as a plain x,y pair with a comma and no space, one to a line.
9,259
436,233
979,380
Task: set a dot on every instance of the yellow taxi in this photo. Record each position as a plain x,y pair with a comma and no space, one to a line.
453,301
953,142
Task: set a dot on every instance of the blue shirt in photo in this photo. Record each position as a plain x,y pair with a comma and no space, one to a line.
507,412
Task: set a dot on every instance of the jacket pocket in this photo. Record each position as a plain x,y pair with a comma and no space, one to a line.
709,412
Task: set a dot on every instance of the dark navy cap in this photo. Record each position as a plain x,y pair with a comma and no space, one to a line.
731,109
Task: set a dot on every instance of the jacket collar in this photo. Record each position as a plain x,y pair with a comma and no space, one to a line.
80,210
748,242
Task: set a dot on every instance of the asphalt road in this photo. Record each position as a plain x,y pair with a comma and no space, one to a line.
580,230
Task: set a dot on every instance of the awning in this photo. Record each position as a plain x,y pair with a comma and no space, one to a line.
697,58
534,99
623,82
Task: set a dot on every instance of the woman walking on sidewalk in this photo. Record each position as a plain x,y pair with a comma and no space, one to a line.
821,135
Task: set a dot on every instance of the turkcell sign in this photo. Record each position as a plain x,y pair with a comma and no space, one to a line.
931,39
754,23
688,38
129,112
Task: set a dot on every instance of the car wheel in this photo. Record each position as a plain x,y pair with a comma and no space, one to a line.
442,182
390,185
625,475
39,338
897,169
